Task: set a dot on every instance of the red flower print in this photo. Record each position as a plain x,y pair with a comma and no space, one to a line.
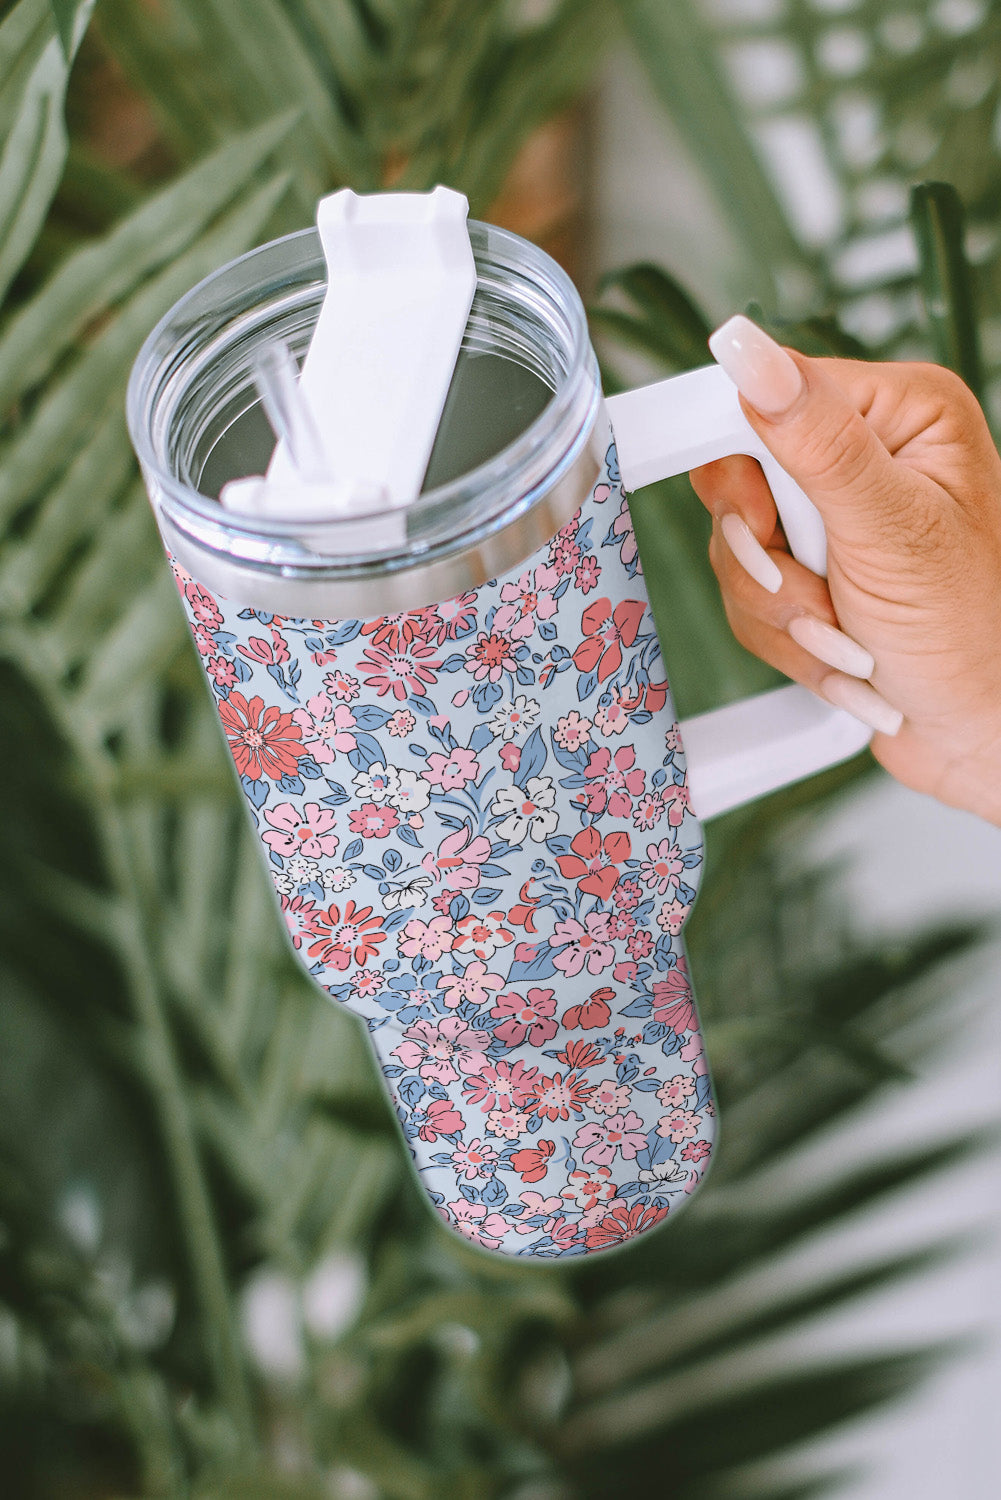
694,1151
222,671
528,1016
623,1224
268,653
554,1098
402,673
672,999
298,913
587,573
262,740
442,1119
579,1054
339,938
613,782
395,632
593,1013
342,685
448,620
606,631
373,820
501,1085
202,605
490,656
532,1163
594,861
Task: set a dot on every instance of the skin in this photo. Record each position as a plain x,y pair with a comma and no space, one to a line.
900,463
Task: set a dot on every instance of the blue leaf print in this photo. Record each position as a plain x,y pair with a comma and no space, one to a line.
408,836
306,766
587,682
641,1006
494,1193
353,849
453,663
337,796
257,791
392,860
486,695
367,752
370,716
533,758
291,785
412,1090
344,632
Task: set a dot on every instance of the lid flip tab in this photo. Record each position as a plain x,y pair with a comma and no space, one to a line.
400,283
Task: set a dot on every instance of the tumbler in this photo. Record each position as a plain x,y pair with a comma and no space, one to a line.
458,746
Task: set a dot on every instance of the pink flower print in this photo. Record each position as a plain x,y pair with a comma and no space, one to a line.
694,1052
298,913
401,724
535,1204
676,1090
458,859
532,1162
373,820
672,916
222,671
490,656
662,867
521,604
672,738
621,925
366,982
619,1133
606,631
678,804
477,1159
450,619
473,1220
556,1097
510,758
528,1017
625,972
623,1223
640,944
509,1123
427,939
680,1125
482,933
437,1049
307,832
267,653
587,573
696,1151
672,999
609,1097
594,862
339,937
500,1085
342,686
622,527
473,984
612,718
204,639
441,1118
572,731
402,673
326,727
202,605
628,895
452,771
564,553
579,944
588,1189
396,632
526,812
649,810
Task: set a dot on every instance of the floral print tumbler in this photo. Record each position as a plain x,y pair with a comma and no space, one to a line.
460,755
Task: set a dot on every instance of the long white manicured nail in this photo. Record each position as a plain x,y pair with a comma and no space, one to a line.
861,700
831,645
760,368
749,552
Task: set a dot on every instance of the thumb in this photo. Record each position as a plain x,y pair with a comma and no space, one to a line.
815,429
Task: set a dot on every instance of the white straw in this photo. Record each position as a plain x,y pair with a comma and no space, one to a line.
277,380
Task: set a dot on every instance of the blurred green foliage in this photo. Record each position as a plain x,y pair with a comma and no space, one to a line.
218,1279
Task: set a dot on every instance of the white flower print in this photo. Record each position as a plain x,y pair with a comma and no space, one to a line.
509,719
336,878
376,784
526,812
407,790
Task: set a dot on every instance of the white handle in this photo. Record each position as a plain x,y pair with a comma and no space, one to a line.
745,749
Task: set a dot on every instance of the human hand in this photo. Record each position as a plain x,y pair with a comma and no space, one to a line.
899,461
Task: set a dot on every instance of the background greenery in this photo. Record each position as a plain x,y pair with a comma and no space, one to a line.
217,1277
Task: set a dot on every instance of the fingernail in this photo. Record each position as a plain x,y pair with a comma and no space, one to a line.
760,368
862,700
749,552
830,645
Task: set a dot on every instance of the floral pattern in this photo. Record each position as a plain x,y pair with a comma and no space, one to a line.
477,821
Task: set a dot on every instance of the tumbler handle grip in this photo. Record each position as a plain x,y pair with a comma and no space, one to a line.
745,749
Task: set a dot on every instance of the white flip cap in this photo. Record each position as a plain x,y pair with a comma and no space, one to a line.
400,283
